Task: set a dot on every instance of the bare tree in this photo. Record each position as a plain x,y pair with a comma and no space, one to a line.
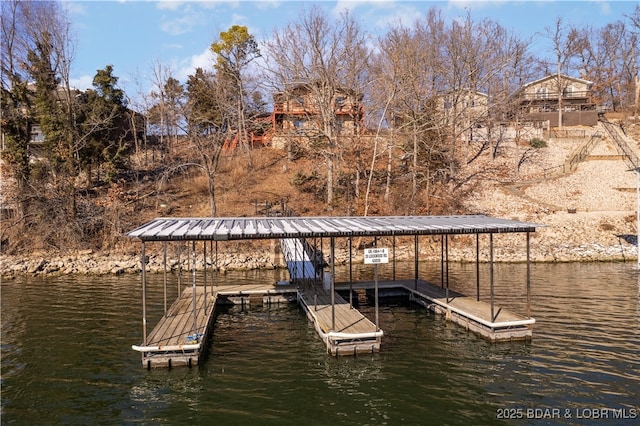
634,51
37,51
408,73
206,117
15,98
326,58
165,110
567,42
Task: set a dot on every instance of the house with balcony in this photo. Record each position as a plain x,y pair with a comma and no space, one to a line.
297,113
560,100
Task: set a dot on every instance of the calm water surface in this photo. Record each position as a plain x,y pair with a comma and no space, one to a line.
67,358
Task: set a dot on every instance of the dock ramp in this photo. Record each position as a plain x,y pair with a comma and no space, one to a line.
300,258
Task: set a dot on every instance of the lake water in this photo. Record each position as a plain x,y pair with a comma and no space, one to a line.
67,357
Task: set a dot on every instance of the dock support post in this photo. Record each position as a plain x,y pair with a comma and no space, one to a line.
351,271
528,275
441,261
321,251
478,267
393,248
204,274
193,253
446,250
375,273
333,282
164,276
491,273
415,261
213,268
143,265
179,266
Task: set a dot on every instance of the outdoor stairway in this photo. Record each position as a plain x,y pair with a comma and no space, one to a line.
617,135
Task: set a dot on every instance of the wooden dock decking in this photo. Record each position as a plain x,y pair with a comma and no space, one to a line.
343,329
176,339
353,332
464,310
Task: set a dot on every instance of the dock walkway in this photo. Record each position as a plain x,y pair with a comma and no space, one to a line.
475,315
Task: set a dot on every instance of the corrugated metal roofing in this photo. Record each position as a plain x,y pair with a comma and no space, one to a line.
243,228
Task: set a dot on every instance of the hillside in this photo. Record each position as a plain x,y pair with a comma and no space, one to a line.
589,213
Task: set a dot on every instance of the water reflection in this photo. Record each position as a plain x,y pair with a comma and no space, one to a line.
67,358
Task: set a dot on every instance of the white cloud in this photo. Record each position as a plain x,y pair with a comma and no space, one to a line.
83,82
75,8
172,46
188,66
182,21
169,5
268,4
603,5
237,19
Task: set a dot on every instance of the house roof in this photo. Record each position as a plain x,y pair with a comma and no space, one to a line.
554,76
305,88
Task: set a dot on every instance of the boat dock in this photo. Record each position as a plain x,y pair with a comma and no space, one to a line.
179,338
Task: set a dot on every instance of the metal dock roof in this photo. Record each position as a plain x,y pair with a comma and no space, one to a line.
243,228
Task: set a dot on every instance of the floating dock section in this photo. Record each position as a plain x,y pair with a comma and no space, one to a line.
179,337
495,324
343,329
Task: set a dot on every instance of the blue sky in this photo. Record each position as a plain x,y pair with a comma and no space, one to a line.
135,35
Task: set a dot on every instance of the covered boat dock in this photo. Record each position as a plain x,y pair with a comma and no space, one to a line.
180,336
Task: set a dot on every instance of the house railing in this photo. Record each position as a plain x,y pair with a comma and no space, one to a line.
549,95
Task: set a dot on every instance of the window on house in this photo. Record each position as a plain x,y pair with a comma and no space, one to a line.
36,135
568,92
541,93
299,123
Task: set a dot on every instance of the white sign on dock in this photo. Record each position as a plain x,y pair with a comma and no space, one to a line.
376,255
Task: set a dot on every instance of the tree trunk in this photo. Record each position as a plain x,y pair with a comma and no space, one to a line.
330,165
387,190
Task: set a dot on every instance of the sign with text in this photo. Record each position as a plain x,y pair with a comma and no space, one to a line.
376,255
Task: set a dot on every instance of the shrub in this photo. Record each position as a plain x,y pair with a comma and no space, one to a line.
538,143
